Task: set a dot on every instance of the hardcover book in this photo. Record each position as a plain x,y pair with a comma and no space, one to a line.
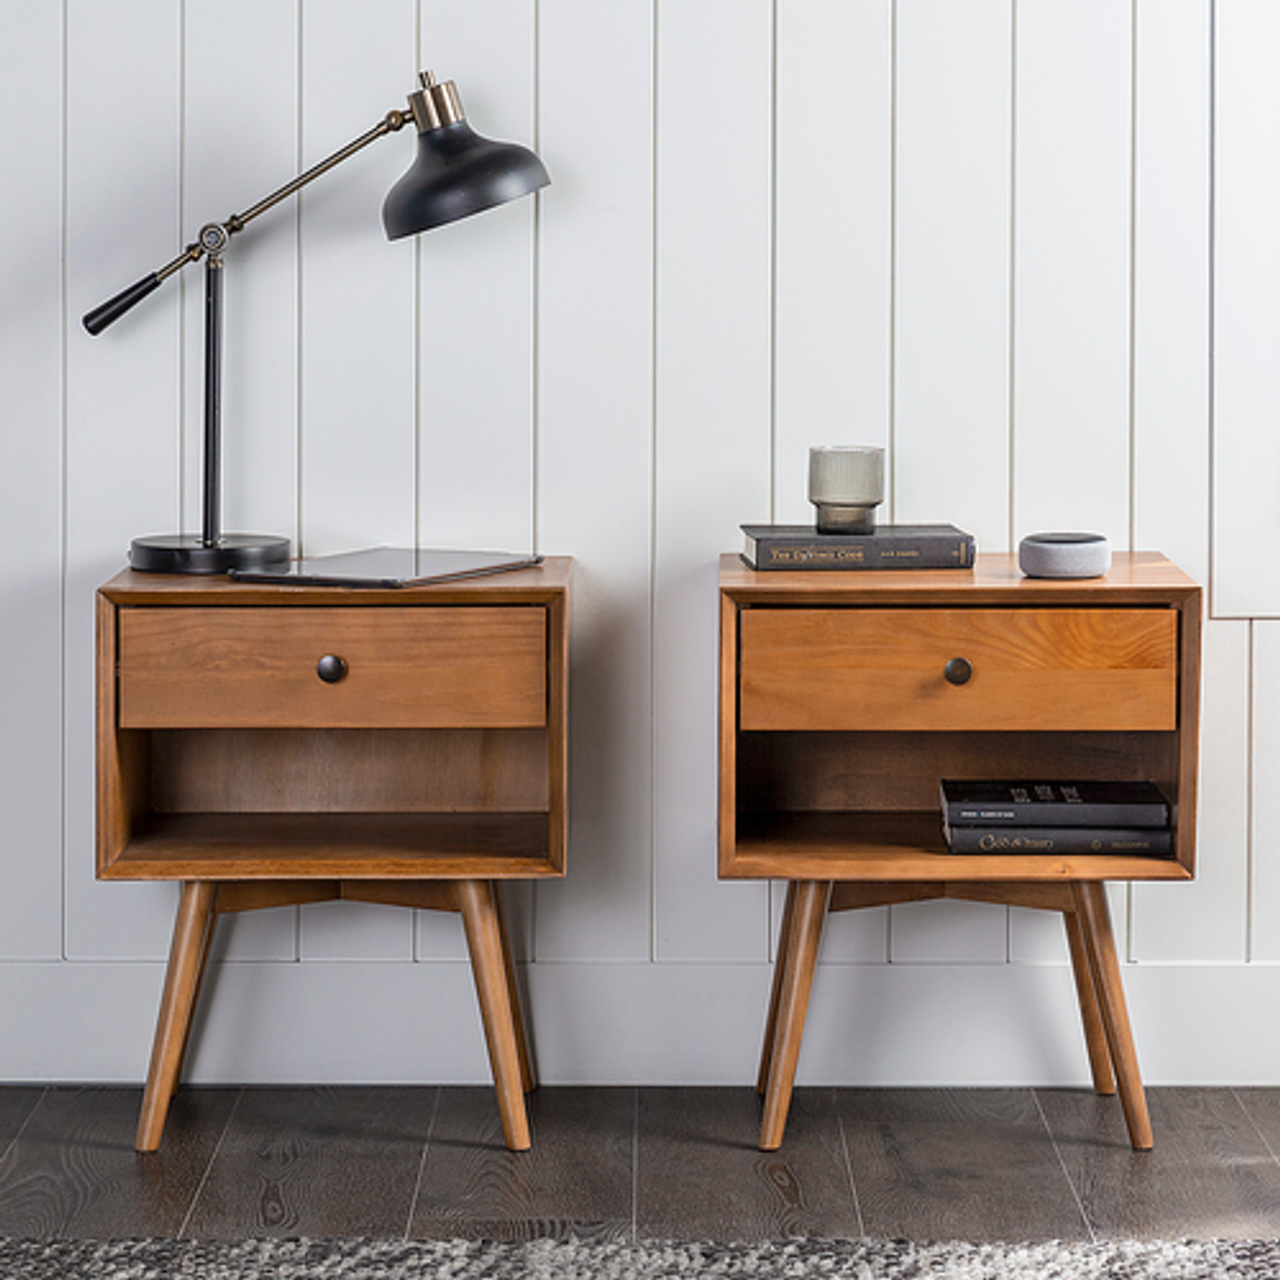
1053,804
1136,840
891,546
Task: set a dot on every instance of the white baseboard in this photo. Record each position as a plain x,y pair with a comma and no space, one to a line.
376,1022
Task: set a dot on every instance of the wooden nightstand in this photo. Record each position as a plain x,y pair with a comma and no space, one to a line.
273,745
837,723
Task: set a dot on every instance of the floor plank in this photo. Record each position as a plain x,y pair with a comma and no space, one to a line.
700,1175
574,1181
956,1164
316,1162
73,1170
17,1102
653,1163
1210,1174
1262,1106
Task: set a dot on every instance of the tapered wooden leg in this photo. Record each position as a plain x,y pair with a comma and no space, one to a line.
484,940
1095,1036
202,969
182,978
779,971
1095,926
527,1077
800,959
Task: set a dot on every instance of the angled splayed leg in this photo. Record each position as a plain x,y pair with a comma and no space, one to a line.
187,955
800,959
1095,926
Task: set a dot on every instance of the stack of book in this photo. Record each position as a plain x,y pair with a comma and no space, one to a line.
1056,817
890,546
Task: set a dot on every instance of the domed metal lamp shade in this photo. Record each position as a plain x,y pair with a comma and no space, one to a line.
456,173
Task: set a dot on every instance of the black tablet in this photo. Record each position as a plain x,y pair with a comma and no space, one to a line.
387,567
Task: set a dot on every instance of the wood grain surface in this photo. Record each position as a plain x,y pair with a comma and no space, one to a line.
316,1162
1209,1175
891,846
648,1163
1133,577
700,1175
276,846
456,667
883,669
574,1181
956,1164
348,770
73,1171
16,1106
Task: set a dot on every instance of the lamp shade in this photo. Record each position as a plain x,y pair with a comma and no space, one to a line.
458,172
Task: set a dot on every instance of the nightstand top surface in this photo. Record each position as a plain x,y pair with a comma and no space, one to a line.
517,586
995,575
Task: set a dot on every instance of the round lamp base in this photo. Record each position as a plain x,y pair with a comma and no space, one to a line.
189,553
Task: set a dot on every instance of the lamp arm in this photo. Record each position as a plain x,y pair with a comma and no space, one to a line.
213,237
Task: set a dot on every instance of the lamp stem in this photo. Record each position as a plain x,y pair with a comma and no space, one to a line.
212,525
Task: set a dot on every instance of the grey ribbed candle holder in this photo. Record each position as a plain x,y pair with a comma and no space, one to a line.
846,484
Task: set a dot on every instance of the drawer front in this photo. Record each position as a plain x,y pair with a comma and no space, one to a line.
1101,669
427,667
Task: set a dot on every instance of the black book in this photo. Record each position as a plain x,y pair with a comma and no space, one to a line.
1053,804
1016,840
891,546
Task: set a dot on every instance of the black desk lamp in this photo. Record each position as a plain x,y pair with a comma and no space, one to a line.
456,173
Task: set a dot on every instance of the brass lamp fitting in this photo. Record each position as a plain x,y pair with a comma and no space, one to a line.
435,105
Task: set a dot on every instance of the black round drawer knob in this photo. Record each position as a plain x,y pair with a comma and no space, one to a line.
331,668
958,671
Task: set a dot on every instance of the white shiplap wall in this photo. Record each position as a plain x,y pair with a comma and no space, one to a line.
982,234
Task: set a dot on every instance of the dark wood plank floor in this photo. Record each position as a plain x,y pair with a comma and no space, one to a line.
654,1163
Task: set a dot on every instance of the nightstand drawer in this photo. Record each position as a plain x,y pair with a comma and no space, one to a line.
853,668
422,667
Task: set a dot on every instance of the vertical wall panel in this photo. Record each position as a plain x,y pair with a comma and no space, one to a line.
240,93
951,348
951,339
1071,268
833,237
475,352
123,403
358,330
31,490
713,424
357,296
595,318
1264,899
1171,283
1246,411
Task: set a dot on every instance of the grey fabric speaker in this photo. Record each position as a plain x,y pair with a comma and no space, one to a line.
1064,555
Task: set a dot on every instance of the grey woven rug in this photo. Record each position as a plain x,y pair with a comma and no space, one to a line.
549,1260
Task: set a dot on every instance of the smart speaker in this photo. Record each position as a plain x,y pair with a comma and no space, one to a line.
1064,555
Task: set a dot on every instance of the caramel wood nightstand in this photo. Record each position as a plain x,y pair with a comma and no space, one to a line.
273,745
837,723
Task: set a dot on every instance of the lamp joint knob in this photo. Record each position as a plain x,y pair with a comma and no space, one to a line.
213,238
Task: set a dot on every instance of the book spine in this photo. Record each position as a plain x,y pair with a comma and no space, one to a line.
1051,814
900,553
1059,840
